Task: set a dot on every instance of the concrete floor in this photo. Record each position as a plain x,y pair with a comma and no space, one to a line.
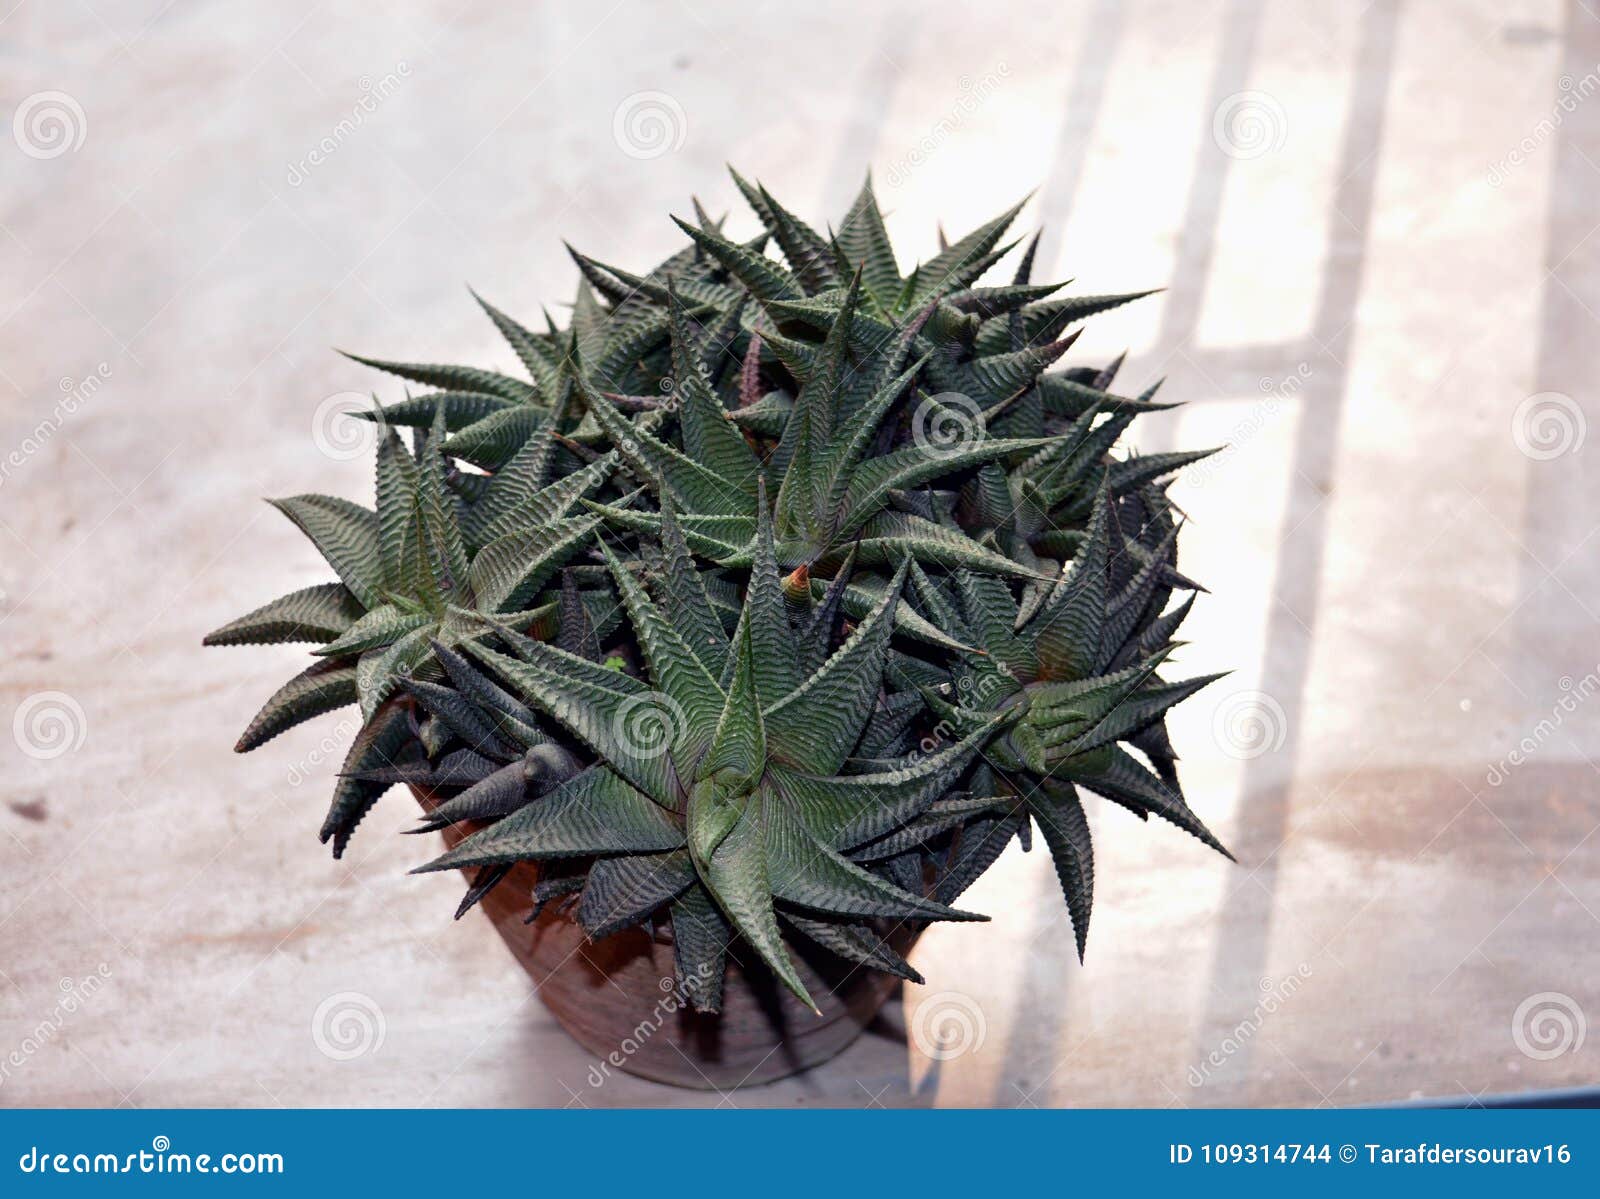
1376,227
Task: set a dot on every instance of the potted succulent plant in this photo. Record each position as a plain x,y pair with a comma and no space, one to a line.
729,646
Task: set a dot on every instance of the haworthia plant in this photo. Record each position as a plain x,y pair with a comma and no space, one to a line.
782,594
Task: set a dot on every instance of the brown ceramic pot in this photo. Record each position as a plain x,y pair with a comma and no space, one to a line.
617,998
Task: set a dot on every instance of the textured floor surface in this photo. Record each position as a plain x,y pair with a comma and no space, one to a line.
1375,224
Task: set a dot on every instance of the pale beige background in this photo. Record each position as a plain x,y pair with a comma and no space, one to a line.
1372,259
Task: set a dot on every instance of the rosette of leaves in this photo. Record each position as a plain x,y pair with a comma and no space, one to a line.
420,569
982,355
837,495
783,493
622,344
1080,676
742,816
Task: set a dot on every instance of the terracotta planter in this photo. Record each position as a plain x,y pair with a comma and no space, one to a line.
616,997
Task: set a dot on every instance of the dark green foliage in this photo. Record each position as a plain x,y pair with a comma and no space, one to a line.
783,594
